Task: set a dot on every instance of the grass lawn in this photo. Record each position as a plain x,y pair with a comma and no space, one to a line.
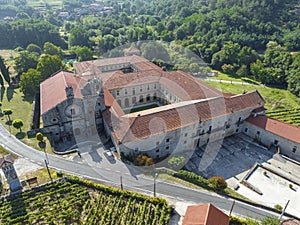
275,98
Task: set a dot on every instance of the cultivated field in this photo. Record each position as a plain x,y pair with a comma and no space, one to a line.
77,201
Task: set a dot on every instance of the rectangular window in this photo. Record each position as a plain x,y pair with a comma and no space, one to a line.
167,140
72,111
118,92
275,142
157,150
237,130
125,91
167,147
258,132
185,134
157,143
184,142
246,130
294,149
133,91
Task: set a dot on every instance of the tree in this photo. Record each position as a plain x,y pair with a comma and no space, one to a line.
39,137
1,81
25,61
33,48
0,106
79,37
51,49
84,53
4,70
294,76
30,82
176,162
242,71
49,64
18,124
7,112
217,183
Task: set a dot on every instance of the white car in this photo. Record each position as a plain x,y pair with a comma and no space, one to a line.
108,153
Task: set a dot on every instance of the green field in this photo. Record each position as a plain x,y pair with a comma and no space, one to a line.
291,116
78,201
275,98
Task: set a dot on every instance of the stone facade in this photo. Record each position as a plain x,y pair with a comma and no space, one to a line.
188,113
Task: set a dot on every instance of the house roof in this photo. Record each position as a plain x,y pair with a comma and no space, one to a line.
276,127
143,124
6,160
53,89
206,214
290,222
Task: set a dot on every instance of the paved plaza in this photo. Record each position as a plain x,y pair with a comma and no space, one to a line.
236,156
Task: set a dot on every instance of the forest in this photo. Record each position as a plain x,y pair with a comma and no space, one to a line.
259,39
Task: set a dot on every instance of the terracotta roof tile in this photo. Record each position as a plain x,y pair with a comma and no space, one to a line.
53,89
290,222
277,127
206,214
7,159
135,126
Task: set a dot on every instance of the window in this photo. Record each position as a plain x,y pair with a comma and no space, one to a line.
141,98
168,140
133,91
154,86
148,97
125,91
207,140
258,132
148,88
294,149
185,134
126,102
133,100
154,96
136,150
118,92
184,142
157,143
246,130
167,147
157,150
237,130
275,142
72,111
141,89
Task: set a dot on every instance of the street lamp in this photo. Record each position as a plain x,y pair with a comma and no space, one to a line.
121,182
154,185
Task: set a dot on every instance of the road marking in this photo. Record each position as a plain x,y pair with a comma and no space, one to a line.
31,160
40,163
118,171
107,169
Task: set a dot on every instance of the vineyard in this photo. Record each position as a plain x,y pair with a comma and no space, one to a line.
291,116
76,201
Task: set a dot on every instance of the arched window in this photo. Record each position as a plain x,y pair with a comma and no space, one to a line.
119,102
148,98
133,100
141,98
126,102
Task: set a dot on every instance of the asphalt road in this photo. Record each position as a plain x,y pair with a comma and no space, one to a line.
96,167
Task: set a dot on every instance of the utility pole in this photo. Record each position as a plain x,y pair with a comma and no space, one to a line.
231,208
48,171
283,211
154,185
121,182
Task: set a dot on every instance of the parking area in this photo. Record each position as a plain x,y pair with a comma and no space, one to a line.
236,155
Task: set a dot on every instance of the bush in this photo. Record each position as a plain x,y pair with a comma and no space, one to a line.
279,207
143,160
176,162
217,183
193,178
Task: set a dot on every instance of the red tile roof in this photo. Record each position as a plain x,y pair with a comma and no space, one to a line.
276,127
290,222
6,160
53,89
143,124
206,214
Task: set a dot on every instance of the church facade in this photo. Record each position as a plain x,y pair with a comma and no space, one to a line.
141,107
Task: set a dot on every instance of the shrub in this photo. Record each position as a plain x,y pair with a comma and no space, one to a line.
217,183
176,162
279,207
143,160
193,178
